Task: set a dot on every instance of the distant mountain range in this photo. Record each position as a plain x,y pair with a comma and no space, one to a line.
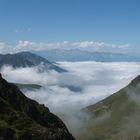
24,119
80,55
27,59
116,117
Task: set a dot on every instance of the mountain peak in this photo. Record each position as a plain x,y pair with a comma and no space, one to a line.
28,59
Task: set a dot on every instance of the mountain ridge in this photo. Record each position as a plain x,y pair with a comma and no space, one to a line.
74,55
25,119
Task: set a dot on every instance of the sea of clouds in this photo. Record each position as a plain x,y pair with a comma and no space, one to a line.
67,93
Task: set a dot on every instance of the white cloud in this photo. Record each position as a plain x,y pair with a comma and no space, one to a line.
86,44
24,45
34,46
5,48
95,79
68,45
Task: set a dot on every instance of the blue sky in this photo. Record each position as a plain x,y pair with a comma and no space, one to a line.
110,21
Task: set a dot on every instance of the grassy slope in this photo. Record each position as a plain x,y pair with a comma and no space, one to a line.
116,117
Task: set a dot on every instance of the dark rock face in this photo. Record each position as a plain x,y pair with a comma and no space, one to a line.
24,119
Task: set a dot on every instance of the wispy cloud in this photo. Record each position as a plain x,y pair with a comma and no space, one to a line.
5,48
19,31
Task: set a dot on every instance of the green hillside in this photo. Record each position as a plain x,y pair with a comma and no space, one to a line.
116,117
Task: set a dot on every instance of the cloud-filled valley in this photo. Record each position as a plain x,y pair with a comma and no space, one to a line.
67,93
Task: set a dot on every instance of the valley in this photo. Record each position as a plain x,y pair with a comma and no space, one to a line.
69,70
85,98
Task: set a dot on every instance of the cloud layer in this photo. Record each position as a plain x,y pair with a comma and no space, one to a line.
94,81
84,45
84,84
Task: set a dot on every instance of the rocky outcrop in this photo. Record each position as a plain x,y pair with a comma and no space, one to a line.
24,119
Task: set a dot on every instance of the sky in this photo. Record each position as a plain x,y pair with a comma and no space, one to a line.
51,21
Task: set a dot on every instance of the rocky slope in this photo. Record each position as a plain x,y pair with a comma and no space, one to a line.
24,119
116,117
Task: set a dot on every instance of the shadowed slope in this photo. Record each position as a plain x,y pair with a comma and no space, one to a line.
25,119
